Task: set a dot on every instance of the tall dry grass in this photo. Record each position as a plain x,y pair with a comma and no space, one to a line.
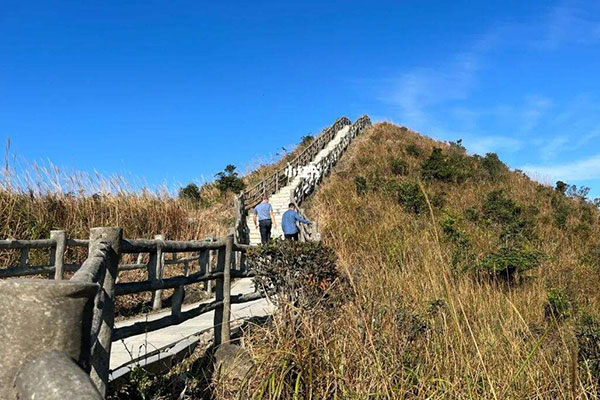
413,327
42,198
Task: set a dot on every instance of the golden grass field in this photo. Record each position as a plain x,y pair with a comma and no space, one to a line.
417,327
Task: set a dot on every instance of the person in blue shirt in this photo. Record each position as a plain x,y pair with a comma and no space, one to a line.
288,222
264,219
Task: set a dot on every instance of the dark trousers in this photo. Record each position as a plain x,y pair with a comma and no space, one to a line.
291,236
265,230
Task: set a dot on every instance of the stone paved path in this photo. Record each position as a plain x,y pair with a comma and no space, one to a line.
123,351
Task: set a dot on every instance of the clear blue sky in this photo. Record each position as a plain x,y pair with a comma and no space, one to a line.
171,91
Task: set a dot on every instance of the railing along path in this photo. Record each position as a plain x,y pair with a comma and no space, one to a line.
60,347
311,176
78,314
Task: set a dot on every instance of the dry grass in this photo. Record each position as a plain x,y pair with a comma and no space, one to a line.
414,327
40,199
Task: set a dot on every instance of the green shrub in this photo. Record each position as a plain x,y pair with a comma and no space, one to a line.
190,193
557,305
228,180
561,187
452,168
493,167
301,273
472,214
410,196
361,185
516,223
438,200
399,167
587,332
560,211
450,229
414,150
509,262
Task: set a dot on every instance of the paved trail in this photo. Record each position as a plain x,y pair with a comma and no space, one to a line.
124,350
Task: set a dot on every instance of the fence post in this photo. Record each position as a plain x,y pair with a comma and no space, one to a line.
179,294
104,306
59,253
24,257
155,267
223,294
203,263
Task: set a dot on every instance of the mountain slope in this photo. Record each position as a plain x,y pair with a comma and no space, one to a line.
468,281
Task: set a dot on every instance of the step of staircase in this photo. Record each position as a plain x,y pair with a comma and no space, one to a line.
280,200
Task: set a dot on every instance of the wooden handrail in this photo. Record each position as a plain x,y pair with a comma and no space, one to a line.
271,184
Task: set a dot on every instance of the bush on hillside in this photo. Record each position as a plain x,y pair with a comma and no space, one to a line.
228,180
509,262
560,210
361,185
399,167
414,150
557,304
445,168
472,214
190,193
493,167
302,273
587,332
516,223
410,196
438,200
561,187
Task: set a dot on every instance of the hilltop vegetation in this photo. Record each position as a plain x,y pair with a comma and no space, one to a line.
466,280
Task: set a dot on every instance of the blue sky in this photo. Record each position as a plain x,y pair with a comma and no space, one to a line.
171,92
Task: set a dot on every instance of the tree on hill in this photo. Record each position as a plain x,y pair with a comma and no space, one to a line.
190,192
228,180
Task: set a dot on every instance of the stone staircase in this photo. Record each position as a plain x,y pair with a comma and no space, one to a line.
280,200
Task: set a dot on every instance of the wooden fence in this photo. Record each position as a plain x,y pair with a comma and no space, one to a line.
306,185
282,177
321,169
100,271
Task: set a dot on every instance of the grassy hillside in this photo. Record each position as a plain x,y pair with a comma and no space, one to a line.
468,280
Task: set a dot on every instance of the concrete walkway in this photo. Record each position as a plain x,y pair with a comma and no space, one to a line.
280,200
125,350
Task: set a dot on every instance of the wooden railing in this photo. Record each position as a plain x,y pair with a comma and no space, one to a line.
90,344
321,169
56,245
281,178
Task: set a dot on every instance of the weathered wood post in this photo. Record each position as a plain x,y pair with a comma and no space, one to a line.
179,295
24,257
58,253
104,306
223,294
155,267
203,263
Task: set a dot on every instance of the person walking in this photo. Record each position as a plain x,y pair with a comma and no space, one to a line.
288,222
264,219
